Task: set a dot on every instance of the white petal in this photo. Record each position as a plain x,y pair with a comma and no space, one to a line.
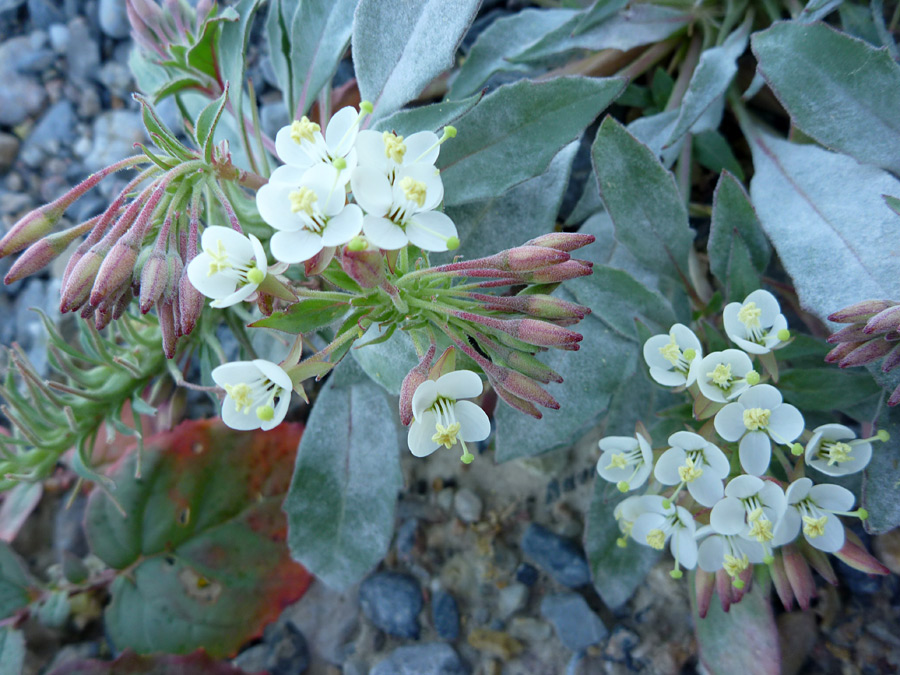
786,423
832,539
236,244
259,254
424,397
343,227
666,471
618,443
211,285
798,490
287,176
239,295
274,373
430,230
420,434
382,233
236,372
371,190
370,150
644,523
773,499
684,548
727,516
768,305
761,396
459,384
729,422
340,134
755,452
832,497
290,152
787,529
281,409
421,147
640,476
240,421
613,474
686,338
434,186
295,247
651,352
474,424
744,486
707,489
752,549
711,554
667,378
748,346
716,461
687,440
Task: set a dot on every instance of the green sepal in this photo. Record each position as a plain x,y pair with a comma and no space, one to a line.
305,316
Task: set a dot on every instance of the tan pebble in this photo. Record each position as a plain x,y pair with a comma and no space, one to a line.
495,642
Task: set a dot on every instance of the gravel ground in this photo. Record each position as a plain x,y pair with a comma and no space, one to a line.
485,574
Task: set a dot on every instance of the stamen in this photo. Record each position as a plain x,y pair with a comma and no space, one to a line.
302,200
689,471
749,316
656,538
394,147
414,190
671,352
303,130
721,376
836,452
756,418
241,394
814,527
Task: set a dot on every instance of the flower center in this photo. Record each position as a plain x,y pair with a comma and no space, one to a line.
837,452
721,376
733,565
656,538
671,352
241,394
394,147
756,418
302,200
749,316
618,461
445,436
220,262
689,471
414,190
303,130
761,530
814,527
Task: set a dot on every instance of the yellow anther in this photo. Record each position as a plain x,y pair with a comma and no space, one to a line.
761,530
814,527
837,452
756,418
241,394
755,514
304,130
749,315
219,258
303,200
656,539
671,352
721,376
414,190
445,436
689,471
734,565
265,413
618,461
394,147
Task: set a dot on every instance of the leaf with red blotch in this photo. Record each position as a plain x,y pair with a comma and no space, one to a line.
202,545
129,663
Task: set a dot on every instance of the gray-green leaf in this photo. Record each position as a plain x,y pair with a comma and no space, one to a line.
15,582
388,362
427,117
12,651
880,492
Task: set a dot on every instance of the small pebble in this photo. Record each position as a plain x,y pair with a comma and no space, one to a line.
445,615
392,601
445,499
530,630
559,557
527,574
468,505
9,148
576,625
511,599
114,19
496,643
435,658
59,37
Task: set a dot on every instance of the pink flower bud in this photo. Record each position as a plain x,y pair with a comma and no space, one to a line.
705,583
524,387
174,270
77,286
781,582
190,304
570,269
854,333
883,322
532,331
45,250
528,258
318,263
411,382
365,267
861,311
115,271
562,241
799,575
870,351
891,360
167,328
31,227
841,351
819,561
543,306
858,558
153,281
724,589
122,304
514,401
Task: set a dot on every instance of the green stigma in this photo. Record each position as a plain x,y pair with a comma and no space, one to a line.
449,132
339,163
621,542
863,514
689,354
622,485
769,559
255,275
796,449
266,413
467,458
883,435
676,574
452,243
752,378
366,107
358,244
667,504
737,583
784,335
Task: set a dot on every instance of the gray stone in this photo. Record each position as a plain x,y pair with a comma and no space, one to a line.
467,505
9,148
273,116
59,37
392,601
54,130
559,557
576,625
9,5
445,615
25,54
19,97
114,19
83,53
511,599
528,629
115,133
116,77
328,619
435,658
43,13
283,652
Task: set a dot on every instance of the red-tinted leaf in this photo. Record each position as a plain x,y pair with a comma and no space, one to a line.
129,663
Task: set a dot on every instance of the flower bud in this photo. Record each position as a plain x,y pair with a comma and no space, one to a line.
841,351
365,267
115,271
854,333
174,270
725,590
45,250
525,388
781,583
861,311
411,382
31,227
318,263
854,555
891,360
514,401
122,303
705,583
799,576
167,328
544,334
153,281
883,322
528,258
571,269
543,306
562,241
190,304
868,352
77,285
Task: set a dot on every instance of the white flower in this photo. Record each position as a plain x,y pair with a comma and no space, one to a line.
625,513
440,418
387,152
725,375
756,325
310,212
751,509
673,358
229,268
729,552
302,145
754,418
403,213
695,462
814,509
834,450
258,394
625,461
662,521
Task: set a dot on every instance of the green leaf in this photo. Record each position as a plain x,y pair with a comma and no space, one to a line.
738,250
201,55
654,229
130,663
278,22
746,634
202,545
159,132
302,317
826,389
838,89
207,121
12,651
591,376
492,50
522,213
514,133
427,117
599,12
320,33
824,214
16,584
232,49
857,21
340,507
881,478
387,363
400,46
175,86
712,151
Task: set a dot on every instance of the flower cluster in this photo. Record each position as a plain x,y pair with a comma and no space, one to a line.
710,514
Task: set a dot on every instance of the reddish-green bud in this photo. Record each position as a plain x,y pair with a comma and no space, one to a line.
516,402
892,360
77,286
154,278
799,576
543,306
570,269
562,241
167,328
174,270
868,352
190,304
528,258
532,367
31,227
115,272
705,583
318,263
45,250
854,333
411,382
883,322
841,351
365,267
861,311
525,388
781,582
856,556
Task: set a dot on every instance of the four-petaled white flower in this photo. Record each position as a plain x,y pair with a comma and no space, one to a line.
836,451
757,324
387,152
727,552
403,212
725,375
625,513
229,268
302,145
694,462
440,418
258,394
662,521
757,416
751,509
813,509
309,210
673,358
625,461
